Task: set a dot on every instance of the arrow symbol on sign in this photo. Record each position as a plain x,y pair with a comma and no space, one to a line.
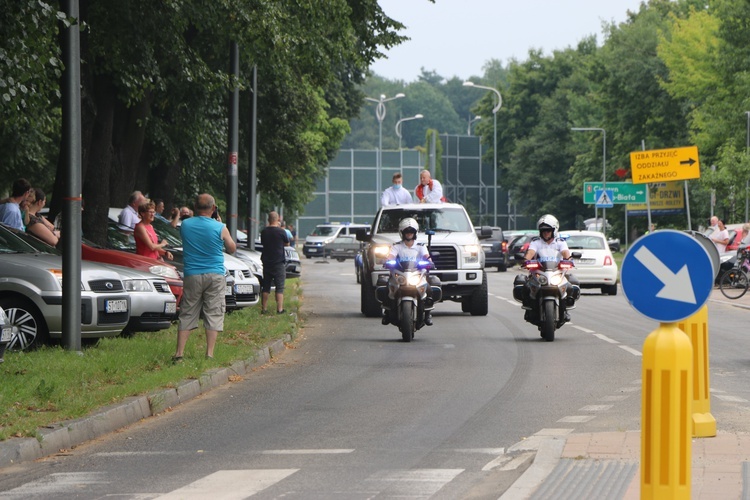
689,161
676,286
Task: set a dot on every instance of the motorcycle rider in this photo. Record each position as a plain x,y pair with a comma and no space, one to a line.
547,247
408,229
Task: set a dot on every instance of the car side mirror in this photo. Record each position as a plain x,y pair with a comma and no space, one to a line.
363,235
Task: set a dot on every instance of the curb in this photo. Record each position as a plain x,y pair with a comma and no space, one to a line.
66,435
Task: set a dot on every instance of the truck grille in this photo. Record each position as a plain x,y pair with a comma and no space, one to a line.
448,258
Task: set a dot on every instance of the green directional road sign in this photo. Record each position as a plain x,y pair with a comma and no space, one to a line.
622,192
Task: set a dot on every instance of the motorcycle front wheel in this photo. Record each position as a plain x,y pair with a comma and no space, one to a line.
407,321
548,320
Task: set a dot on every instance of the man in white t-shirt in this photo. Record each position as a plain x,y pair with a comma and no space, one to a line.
396,194
129,217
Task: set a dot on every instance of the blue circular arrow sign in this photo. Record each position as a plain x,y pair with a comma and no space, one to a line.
667,276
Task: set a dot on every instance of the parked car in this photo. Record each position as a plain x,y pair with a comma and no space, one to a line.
495,250
345,247
6,334
510,236
153,306
595,267
31,295
317,243
235,267
520,244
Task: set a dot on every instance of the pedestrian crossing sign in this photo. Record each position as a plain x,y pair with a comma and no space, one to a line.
604,198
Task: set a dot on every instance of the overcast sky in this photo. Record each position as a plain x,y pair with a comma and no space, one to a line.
456,37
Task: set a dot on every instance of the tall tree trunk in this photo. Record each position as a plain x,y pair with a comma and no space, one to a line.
129,172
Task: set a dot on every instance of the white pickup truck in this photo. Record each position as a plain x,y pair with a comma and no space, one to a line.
454,247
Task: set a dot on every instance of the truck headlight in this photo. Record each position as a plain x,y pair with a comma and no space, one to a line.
381,251
471,254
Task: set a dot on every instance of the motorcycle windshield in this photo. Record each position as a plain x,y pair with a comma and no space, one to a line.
407,259
548,259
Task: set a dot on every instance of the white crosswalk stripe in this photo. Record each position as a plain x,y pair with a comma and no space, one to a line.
230,484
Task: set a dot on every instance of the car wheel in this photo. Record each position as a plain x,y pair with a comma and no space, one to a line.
501,268
29,328
609,290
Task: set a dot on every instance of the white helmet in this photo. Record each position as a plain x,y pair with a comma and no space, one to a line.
408,223
548,221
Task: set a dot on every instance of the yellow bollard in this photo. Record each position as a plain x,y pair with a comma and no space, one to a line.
666,451
696,327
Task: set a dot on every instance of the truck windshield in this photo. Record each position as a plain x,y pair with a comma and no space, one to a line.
438,219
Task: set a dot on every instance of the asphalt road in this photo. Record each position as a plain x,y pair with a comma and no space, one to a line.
352,412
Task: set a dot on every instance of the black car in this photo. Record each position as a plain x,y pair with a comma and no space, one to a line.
496,250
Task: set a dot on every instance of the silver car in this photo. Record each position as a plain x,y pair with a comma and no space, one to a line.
31,295
153,307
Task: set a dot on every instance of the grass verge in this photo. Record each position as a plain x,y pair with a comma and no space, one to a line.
50,384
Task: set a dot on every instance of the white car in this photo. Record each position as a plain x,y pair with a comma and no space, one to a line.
595,265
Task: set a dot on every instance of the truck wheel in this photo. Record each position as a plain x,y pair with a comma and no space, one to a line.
369,305
479,300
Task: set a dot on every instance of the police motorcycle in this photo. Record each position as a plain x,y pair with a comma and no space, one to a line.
548,292
408,294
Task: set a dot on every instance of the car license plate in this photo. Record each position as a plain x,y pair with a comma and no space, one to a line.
585,261
170,308
7,334
228,290
312,250
243,289
116,306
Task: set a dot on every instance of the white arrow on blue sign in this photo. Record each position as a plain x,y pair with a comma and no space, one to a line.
604,198
667,276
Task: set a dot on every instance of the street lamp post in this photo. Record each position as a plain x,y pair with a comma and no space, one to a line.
380,115
494,144
398,133
472,120
604,167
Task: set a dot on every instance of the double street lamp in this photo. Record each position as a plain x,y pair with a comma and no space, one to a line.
604,167
494,144
380,115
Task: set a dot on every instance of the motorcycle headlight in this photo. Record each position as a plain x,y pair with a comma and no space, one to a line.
413,279
136,285
556,280
400,279
542,279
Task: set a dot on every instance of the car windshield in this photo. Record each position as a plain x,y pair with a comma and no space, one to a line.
165,231
585,242
437,219
324,231
118,240
10,242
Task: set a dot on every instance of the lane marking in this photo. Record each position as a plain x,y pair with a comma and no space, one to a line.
596,408
630,350
731,399
486,451
605,338
321,451
577,419
584,330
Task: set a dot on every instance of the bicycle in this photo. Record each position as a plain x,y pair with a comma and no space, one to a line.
734,283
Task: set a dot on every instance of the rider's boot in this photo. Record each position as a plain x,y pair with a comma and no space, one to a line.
428,318
386,319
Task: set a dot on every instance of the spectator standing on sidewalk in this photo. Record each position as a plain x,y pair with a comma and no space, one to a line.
204,241
129,217
274,239
720,235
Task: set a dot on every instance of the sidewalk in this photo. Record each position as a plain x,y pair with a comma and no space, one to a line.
606,465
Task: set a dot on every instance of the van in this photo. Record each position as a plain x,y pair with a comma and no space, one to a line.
317,243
